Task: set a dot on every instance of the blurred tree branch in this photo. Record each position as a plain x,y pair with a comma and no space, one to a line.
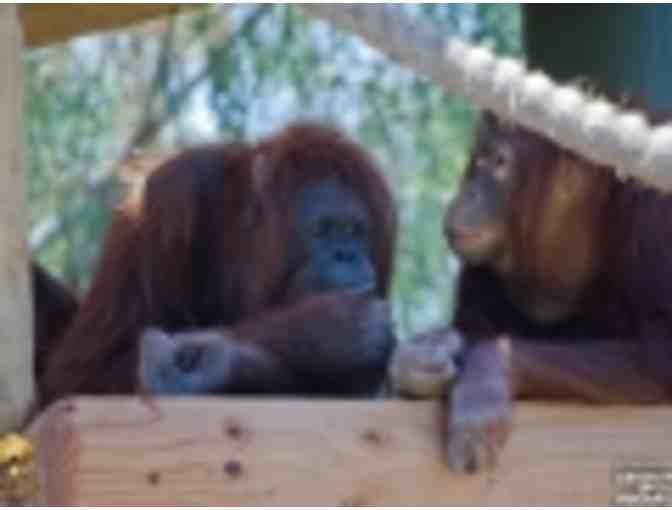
154,118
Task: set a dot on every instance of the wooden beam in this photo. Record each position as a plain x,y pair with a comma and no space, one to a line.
200,451
51,23
16,345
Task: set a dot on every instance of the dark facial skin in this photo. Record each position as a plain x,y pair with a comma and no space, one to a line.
330,241
476,222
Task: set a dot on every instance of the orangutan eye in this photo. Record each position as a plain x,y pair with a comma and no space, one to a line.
501,166
325,227
356,229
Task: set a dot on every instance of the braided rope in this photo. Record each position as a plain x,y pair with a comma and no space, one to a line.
592,127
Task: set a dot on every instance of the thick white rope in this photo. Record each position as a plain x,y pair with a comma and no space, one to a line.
592,127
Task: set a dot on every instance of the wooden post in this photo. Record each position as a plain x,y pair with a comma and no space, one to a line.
16,346
46,24
124,451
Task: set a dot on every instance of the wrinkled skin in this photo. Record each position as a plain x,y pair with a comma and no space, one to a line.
330,241
474,383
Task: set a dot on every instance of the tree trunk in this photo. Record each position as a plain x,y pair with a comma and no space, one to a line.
620,48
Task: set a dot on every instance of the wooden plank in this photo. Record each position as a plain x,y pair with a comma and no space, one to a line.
50,23
16,346
200,451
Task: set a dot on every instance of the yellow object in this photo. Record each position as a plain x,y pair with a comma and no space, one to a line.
18,480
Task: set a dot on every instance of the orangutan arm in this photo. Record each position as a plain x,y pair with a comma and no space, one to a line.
329,344
598,371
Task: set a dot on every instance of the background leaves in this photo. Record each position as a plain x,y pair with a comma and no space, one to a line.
243,71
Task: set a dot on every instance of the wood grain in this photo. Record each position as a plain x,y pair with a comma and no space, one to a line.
206,451
51,23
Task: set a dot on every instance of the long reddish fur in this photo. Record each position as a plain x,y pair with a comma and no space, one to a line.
618,346
203,244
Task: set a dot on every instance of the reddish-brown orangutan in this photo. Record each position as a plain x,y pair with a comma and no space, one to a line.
569,268
342,349
282,251
54,307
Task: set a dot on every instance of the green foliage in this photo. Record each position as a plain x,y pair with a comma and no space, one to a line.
499,28
69,121
241,72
